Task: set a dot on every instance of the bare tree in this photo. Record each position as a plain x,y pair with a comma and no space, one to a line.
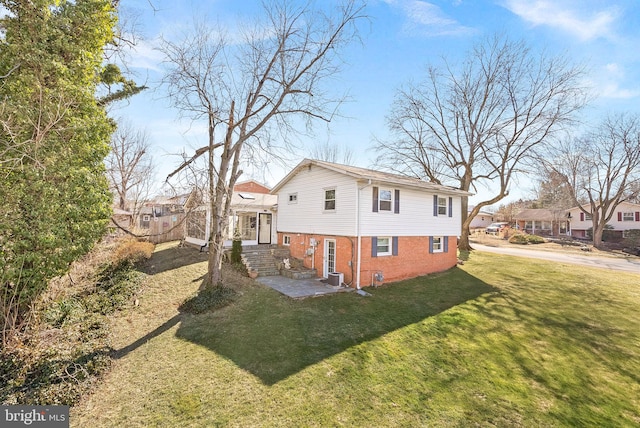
252,87
552,191
332,153
130,166
480,122
602,168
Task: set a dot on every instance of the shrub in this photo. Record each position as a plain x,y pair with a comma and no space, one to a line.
131,252
208,299
236,250
518,239
57,367
525,239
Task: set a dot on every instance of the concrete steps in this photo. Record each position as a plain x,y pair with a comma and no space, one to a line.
267,260
264,260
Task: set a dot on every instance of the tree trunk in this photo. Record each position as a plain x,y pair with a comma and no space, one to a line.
598,229
464,244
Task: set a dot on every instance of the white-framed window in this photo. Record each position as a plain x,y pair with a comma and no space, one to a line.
146,217
437,244
385,199
442,206
293,198
628,217
286,240
383,247
330,199
588,217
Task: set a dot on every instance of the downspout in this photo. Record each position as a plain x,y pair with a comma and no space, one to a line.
359,233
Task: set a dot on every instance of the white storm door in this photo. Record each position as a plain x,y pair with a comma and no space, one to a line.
329,257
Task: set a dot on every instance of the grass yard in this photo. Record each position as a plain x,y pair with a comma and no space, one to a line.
499,341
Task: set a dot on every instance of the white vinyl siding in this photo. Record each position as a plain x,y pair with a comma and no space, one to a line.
411,211
308,215
415,217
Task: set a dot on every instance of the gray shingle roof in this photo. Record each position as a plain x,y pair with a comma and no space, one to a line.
364,174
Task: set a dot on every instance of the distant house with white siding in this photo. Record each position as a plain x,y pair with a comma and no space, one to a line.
482,219
367,224
626,217
253,210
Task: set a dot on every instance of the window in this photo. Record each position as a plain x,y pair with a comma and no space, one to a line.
628,217
293,198
146,217
330,199
588,217
442,206
383,247
286,240
437,244
385,200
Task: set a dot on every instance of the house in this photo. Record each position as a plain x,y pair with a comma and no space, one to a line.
543,222
481,220
253,210
161,206
367,225
120,221
626,217
161,219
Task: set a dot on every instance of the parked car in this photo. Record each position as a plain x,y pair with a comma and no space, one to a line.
496,227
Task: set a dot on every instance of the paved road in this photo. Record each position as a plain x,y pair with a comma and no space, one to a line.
630,264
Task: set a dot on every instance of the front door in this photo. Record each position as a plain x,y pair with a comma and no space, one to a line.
329,257
264,228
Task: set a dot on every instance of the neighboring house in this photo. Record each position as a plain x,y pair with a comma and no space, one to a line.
481,220
543,222
366,224
162,218
251,186
253,212
120,220
161,206
626,217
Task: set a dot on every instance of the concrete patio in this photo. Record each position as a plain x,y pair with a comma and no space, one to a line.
300,288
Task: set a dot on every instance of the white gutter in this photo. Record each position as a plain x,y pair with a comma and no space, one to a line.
358,232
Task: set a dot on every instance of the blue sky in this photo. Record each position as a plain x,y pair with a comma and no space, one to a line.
403,37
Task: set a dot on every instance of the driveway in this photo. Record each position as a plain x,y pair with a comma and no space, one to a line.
626,264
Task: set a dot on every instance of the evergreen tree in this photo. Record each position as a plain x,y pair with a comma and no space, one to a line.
54,137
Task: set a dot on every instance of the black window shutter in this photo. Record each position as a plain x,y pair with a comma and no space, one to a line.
435,205
431,244
374,246
450,207
396,207
375,199
445,243
394,247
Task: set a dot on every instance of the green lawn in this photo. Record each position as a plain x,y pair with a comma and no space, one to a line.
499,341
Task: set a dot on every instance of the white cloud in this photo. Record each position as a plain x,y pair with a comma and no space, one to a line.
611,81
424,18
144,55
559,14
